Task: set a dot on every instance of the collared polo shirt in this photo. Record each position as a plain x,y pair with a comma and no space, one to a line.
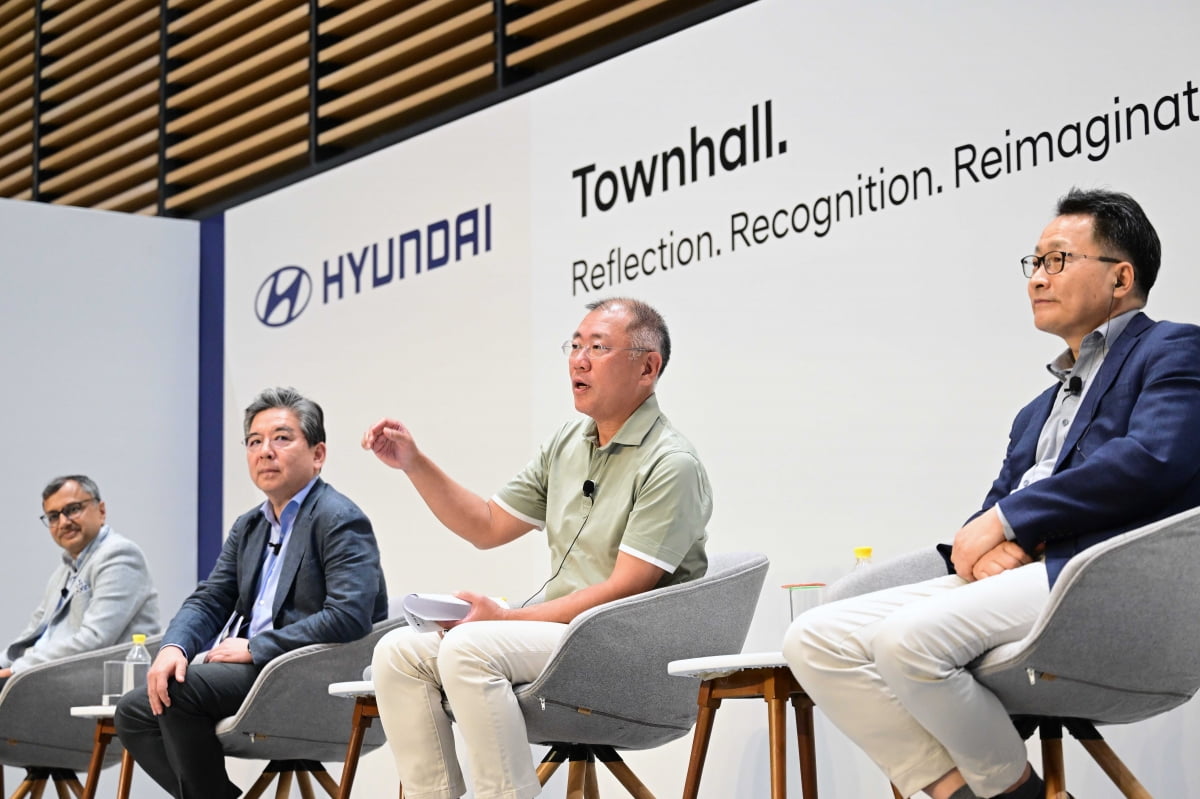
651,499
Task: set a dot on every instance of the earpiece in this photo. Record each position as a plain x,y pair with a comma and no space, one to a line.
1119,283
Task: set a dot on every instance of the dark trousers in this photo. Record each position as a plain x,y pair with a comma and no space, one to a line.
179,749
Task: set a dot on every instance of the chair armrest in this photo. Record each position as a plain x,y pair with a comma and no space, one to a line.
290,699
1124,613
614,657
35,704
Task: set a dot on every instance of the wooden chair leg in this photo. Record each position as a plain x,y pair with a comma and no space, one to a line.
261,784
325,781
591,787
284,787
23,788
806,743
304,783
575,779
1116,770
1093,742
365,711
1054,772
550,763
896,793
700,739
613,762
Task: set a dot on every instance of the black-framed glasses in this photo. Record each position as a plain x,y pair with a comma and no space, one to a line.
1053,262
71,512
595,351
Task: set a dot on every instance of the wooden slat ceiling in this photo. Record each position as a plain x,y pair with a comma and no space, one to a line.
237,87
99,112
16,98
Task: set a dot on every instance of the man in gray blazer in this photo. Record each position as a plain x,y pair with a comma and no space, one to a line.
98,596
302,568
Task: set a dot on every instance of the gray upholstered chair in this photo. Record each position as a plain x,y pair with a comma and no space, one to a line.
606,687
1116,643
36,727
289,718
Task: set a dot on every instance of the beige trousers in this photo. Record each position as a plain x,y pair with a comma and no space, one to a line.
889,669
473,667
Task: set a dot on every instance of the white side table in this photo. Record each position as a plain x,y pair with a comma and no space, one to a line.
754,675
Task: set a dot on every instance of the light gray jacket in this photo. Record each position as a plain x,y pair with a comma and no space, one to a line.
107,600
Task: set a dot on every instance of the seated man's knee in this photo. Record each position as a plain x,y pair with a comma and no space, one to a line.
133,712
464,650
904,650
809,638
393,655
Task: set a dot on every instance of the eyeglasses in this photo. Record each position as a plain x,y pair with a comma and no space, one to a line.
596,351
1053,262
72,512
278,441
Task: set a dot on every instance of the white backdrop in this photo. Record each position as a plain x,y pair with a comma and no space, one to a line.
98,316
847,382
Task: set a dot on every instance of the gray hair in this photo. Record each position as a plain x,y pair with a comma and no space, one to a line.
647,329
309,413
82,480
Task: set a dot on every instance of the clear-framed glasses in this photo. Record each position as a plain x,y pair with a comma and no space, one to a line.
71,512
1053,262
279,440
595,351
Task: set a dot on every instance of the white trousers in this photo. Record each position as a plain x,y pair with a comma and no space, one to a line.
888,669
474,666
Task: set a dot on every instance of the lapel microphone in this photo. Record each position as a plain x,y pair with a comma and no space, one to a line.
275,545
1075,386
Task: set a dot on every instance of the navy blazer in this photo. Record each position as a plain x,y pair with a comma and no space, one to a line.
331,585
1131,456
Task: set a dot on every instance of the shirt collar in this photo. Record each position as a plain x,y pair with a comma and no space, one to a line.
75,564
293,504
1108,332
633,432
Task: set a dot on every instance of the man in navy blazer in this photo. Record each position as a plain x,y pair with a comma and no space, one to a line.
1112,445
303,568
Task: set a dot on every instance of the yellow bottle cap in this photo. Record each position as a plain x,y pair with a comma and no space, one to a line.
862,552
139,638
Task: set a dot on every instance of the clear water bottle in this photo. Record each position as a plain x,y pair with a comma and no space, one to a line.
136,664
862,557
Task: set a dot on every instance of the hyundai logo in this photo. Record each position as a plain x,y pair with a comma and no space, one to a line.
283,296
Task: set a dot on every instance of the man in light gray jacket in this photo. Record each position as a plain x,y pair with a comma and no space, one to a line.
99,595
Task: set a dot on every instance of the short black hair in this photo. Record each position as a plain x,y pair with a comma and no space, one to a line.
308,413
1121,224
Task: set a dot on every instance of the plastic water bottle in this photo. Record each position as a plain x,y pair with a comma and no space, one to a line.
862,557
137,663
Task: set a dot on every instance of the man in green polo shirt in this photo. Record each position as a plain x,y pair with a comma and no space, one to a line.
624,476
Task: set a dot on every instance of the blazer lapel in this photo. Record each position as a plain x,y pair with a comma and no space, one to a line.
1113,362
297,548
252,557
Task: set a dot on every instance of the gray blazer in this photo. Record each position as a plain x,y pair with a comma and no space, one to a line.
331,585
111,598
